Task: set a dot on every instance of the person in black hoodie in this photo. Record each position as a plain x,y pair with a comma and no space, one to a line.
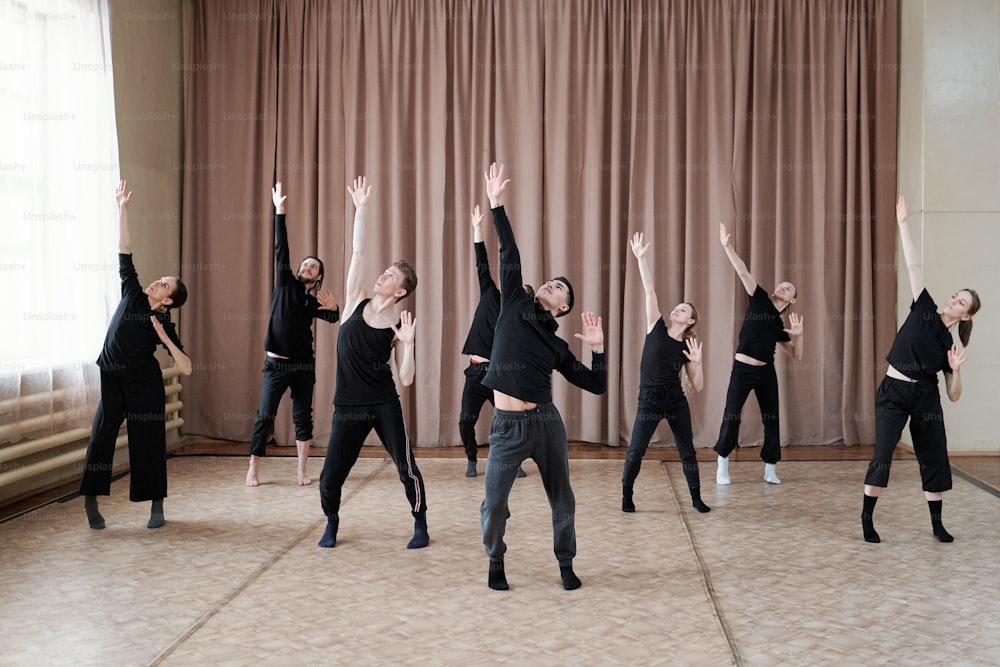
909,391
526,424
132,384
290,362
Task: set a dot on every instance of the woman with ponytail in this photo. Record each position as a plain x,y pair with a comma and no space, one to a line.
670,347
909,391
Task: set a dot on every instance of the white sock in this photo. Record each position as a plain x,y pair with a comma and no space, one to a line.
770,476
722,474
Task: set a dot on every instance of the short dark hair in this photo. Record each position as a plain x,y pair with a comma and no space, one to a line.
409,277
569,295
180,294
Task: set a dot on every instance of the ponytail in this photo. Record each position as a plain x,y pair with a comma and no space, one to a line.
965,326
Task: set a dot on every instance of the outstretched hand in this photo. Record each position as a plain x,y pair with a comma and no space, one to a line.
278,197
593,334
361,192
496,184
724,236
121,198
796,325
957,356
158,328
639,248
477,218
693,353
406,331
901,210
326,300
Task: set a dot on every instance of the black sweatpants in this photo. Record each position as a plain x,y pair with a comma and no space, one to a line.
656,404
920,402
350,426
763,382
280,375
140,402
474,396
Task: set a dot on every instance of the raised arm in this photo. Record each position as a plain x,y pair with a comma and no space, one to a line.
355,288
403,346
282,258
486,283
511,284
749,284
641,252
910,254
594,379
124,236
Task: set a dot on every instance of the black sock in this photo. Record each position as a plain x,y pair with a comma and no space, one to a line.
498,580
696,501
94,517
420,537
156,518
867,525
570,580
627,504
939,531
329,538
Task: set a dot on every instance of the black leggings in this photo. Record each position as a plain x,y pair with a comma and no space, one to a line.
474,396
895,402
656,404
279,375
140,402
763,382
350,426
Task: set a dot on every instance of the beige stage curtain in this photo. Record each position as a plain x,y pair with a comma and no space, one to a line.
776,118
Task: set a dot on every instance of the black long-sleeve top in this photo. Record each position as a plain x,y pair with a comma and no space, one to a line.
762,328
921,346
484,322
289,329
526,348
131,341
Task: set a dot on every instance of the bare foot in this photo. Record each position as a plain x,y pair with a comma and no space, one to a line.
252,479
303,452
303,479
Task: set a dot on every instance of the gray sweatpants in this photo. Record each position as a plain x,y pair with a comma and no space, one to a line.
537,434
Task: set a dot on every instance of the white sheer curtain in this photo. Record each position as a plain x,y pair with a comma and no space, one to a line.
58,170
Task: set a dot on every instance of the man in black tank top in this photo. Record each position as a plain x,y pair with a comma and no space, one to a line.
365,397
290,362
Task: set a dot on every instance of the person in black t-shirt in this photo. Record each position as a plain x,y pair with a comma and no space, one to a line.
668,349
526,424
478,344
753,365
909,391
132,384
290,362
365,397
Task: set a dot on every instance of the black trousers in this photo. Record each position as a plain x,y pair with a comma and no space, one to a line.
280,375
920,403
763,382
350,426
474,396
656,404
140,402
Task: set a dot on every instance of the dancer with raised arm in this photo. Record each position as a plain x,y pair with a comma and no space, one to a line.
370,340
132,384
753,365
526,424
669,349
909,391
289,361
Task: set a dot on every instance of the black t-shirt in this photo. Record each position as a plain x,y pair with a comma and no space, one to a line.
662,358
921,346
762,328
484,322
289,329
131,341
364,374
526,348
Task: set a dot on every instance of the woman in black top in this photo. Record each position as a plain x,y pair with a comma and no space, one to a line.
132,384
365,397
753,365
289,361
909,390
668,349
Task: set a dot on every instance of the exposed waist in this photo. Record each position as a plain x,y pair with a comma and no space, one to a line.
748,360
476,359
896,375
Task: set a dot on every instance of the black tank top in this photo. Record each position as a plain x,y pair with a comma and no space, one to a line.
662,358
364,375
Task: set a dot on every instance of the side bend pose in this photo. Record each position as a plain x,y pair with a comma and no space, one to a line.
526,424
669,348
370,339
289,361
909,390
753,365
132,384
478,345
